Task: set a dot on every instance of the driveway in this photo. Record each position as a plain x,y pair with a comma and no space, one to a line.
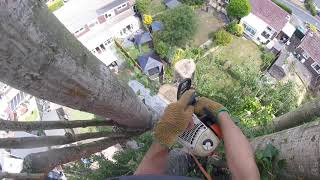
302,14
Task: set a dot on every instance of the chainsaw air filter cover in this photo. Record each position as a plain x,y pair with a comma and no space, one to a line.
200,140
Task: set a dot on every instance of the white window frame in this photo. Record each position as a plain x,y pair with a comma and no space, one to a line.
249,32
313,65
81,30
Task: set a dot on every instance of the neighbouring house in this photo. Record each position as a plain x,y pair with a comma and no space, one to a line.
308,53
156,26
142,38
267,23
151,65
96,23
172,3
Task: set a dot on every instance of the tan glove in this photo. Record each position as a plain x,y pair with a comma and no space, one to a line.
212,106
175,120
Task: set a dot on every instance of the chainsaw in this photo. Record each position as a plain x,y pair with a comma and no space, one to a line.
205,135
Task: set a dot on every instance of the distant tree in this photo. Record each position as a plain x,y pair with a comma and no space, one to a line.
310,5
142,6
222,37
161,48
179,26
193,2
238,8
235,28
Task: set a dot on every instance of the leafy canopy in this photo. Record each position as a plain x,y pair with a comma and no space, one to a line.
239,8
142,5
222,37
235,28
179,26
193,2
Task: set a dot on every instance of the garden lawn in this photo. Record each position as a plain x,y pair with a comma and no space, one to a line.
240,51
156,7
134,52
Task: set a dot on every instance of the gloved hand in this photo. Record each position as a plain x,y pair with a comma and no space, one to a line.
214,107
175,120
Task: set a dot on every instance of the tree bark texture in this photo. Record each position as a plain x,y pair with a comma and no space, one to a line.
184,69
299,146
46,125
39,56
305,113
22,176
45,141
43,162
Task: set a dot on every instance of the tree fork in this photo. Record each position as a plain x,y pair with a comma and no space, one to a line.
39,56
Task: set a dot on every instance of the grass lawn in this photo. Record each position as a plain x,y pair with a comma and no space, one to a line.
207,23
239,51
134,52
155,7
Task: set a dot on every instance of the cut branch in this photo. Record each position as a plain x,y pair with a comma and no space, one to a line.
44,141
23,176
44,125
43,162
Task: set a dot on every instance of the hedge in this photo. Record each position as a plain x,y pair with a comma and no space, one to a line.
284,7
309,4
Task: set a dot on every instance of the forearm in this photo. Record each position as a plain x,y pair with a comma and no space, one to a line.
154,162
240,157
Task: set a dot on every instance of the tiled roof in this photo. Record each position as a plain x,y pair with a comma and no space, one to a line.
311,44
271,13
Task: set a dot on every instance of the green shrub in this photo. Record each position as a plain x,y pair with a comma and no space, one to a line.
193,2
55,5
235,28
267,59
161,48
283,6
309,4
142,6
222,37
238,8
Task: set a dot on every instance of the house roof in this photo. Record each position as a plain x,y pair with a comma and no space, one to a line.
76,13
271,13
149,61
142,38
172,3
156,26
311,45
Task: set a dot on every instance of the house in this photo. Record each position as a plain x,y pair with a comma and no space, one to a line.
142,38
308,53
172,3
95,23
266,22
151,65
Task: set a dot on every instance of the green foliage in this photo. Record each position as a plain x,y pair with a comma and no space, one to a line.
222,37
126,162
238,8
283,6
161,48
142,6
269,166
235,29
179,26
55,5
309,4
267,59
194,2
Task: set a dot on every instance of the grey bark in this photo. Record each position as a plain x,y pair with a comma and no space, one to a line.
43,162
44,141
23,176
39,56
305,113
45,125
299,146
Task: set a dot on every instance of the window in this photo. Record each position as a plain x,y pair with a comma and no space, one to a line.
108,41
122,6
102,47
268,28
98,50
316,67
92,24
107,15
305,55
265,34
249,30
80,31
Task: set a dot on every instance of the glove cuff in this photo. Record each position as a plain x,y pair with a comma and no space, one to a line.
224,109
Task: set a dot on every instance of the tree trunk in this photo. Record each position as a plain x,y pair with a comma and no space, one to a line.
299,146
45,141
184,69
45,125
39,56
43,162
305,113
22,176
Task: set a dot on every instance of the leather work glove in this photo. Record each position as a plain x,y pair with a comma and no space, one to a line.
175,120
205,103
